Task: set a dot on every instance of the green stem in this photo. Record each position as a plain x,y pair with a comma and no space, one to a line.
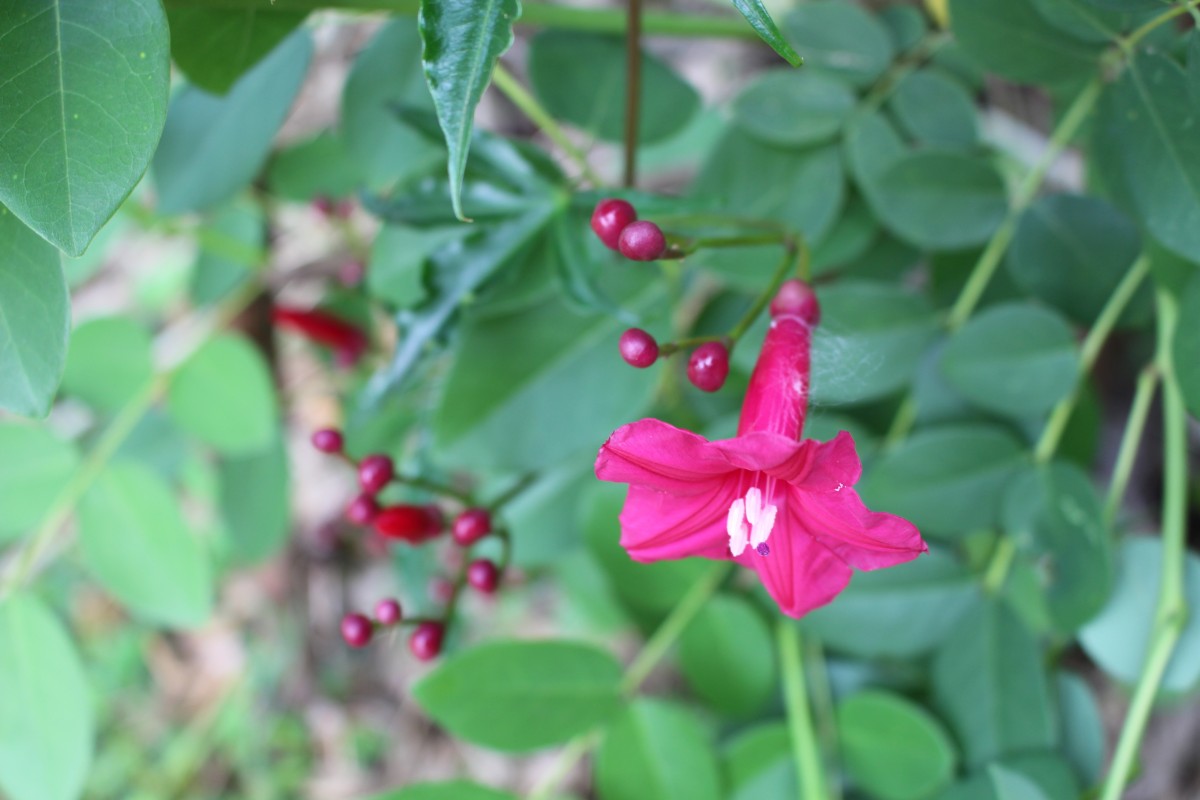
795,253
1131,441
534,14
1089,352
633,89
810,770
997,246
1171,613
530,107
1129,42
999,565
639,669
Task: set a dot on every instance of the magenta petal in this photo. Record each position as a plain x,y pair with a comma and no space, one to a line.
658,525
862,538
650,452
799,573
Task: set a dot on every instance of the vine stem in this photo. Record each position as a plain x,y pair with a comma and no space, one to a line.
1171,613
638,670
633,89
511,88
810,771
1131,441
1117,302
533,14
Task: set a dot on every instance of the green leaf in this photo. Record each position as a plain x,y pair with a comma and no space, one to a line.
84,100
1071,251
35,319
231,243
758,763
110,361
446,790
213,146
653,588
580,78
463,39
849,240
940,200
727,656
399,259
936,110
1016,359
872,146
656,751
1082,728
46,720
518,696
458,270
35,468
1185,347
1151,121
135,542
949,480
1117,639
254,503
892,748
901,612
870,340
318,167
387,74
1056,517
787,108
215,47
224,395
547,371
1010,38
760,20
1010,785
840,38
906,24
989,681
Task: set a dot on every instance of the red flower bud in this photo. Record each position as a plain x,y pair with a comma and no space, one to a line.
347,341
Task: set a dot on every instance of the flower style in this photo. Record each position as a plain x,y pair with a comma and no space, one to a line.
782,506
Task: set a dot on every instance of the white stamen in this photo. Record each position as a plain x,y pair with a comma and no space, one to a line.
739,531
754,504
762,528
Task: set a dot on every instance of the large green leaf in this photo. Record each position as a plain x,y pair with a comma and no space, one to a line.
110,361
1149,120
215,47
784,107
900,612
1010,38
656,751
1185,347
1056,516
35,319
936,110
224,395
1071,251
134,540
760,20
841,38
989,681
940,200
46,719
519,696
892,748
1016,359
949,481
1118,639
463,39
213,146
35,467
386,74
580,77
533,386
84,99
255,503
727,656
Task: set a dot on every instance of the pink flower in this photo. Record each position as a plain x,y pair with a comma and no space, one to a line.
782,506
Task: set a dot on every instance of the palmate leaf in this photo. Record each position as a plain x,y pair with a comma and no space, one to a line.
462,41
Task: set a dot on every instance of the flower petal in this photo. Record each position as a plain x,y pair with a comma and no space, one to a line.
799,573
650,452
658,525
862,538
